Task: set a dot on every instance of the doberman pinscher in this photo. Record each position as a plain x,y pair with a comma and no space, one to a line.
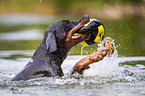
58,39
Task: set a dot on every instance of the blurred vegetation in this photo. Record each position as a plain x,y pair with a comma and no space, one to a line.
124,21
73,7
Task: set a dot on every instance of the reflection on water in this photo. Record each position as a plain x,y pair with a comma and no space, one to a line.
128,33
22,35
112,76
19,19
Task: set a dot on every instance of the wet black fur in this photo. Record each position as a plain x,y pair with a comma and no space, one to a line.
45,62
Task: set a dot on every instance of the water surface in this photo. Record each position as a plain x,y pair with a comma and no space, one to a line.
113,76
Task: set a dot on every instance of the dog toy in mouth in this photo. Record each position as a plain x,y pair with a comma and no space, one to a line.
98,31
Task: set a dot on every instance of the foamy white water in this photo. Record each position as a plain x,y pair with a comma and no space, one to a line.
99,78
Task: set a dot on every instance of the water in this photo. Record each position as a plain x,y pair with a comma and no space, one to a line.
112,76
19,35
82,50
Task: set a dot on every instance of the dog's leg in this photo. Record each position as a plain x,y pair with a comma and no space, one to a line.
94,57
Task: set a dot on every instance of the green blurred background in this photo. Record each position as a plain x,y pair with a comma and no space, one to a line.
124,21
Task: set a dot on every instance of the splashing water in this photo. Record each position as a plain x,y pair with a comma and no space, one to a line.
82,50
108,66
103,77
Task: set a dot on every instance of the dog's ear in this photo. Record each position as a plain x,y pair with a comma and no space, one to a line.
51,42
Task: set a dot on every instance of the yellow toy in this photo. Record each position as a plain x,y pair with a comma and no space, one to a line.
98,34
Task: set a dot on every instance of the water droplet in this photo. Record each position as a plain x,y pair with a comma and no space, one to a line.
82,50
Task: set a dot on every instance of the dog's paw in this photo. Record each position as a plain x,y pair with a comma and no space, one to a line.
78,70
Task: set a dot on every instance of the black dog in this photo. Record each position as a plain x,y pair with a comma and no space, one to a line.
58,39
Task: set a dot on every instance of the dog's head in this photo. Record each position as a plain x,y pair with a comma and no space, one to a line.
61,35
71,33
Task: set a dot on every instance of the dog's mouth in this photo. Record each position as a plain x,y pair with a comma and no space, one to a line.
77,36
